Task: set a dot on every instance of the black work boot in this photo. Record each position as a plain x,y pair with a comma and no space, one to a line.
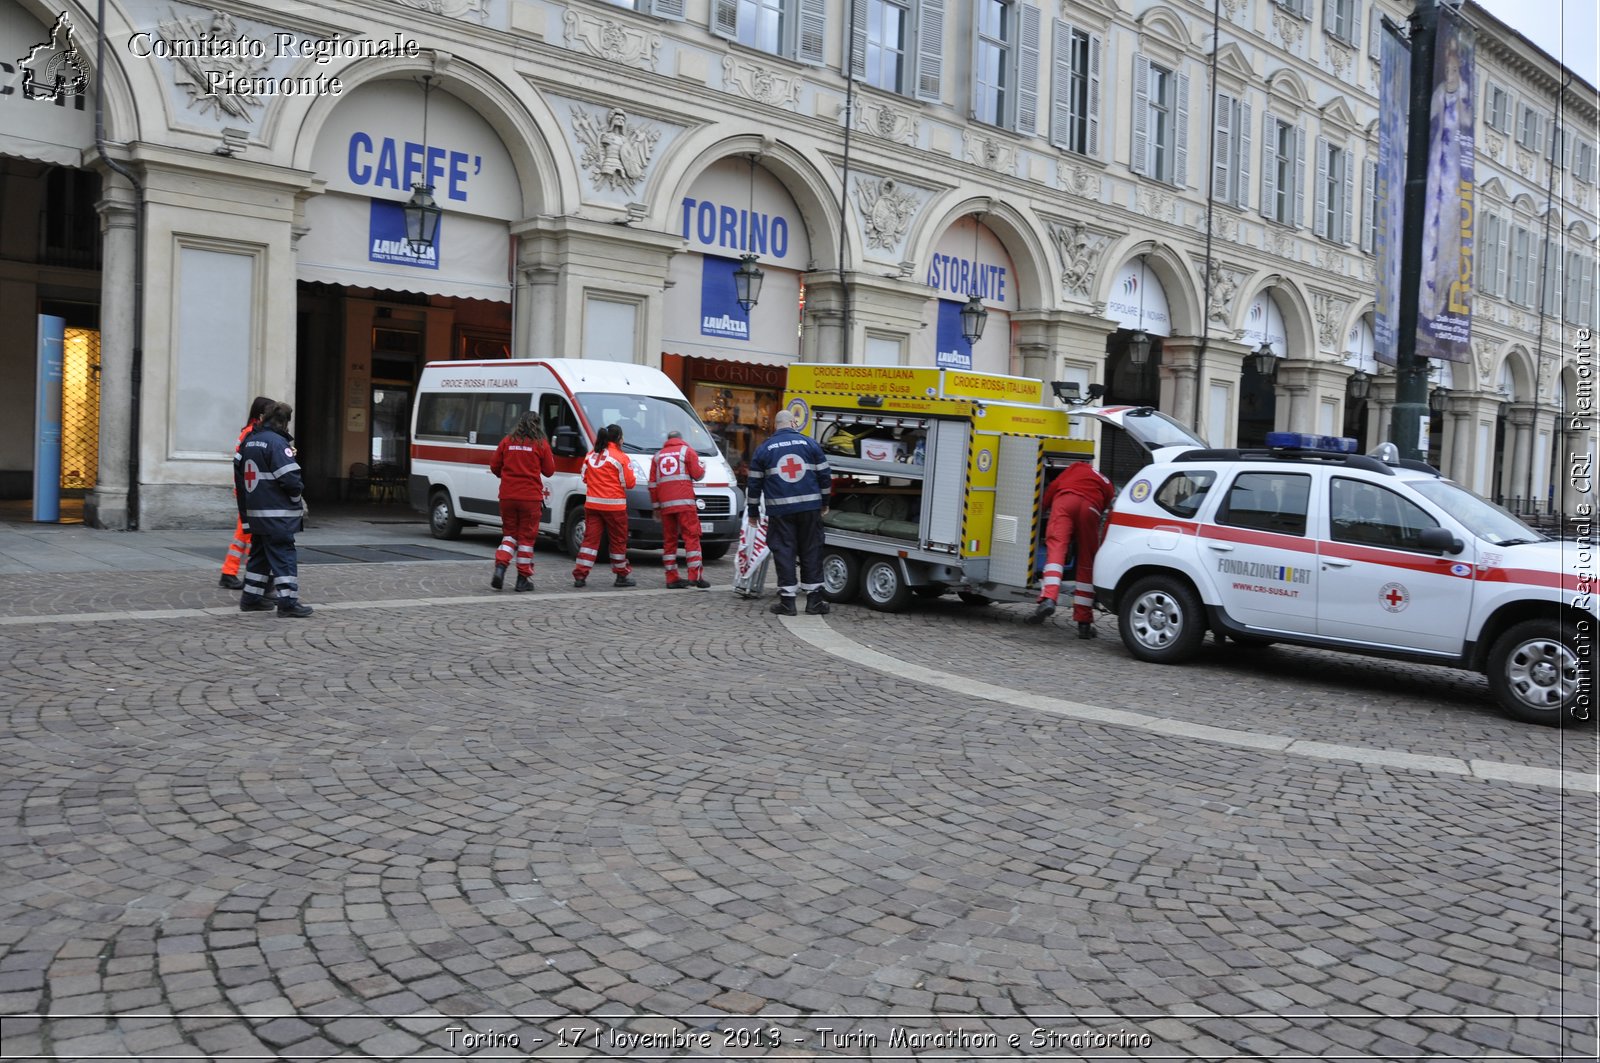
1085,629
254,605
230,583
1045,607
784,606
817,603
294,609
624,581
523,584
499,579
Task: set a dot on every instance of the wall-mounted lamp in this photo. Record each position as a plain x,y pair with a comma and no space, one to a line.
1360,381
1438,398
748,277
974,315
1265,361
422,213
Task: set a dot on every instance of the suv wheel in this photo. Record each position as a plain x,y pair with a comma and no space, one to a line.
572,531
1161,620
442,519
1533,671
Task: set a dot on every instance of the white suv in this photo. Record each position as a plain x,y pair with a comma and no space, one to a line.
1308,543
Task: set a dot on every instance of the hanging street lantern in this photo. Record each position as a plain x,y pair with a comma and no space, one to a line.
747,282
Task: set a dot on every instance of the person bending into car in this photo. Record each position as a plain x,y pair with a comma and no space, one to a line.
1074,501
607,478
522,462
672,475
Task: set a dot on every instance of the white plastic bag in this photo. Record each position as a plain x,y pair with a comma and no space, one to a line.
750,561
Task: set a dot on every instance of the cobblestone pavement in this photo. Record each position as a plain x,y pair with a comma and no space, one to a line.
434,820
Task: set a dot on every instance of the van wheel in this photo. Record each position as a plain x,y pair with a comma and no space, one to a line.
715,552
572,531
883,586
841,575
442,519
1533,671
1161,620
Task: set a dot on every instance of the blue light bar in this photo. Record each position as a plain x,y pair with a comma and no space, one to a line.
1307,441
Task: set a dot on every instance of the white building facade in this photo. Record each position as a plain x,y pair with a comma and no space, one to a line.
1089,170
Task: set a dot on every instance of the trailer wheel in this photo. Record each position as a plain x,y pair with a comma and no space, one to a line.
715,551
974,599
442,519
884,587
841,574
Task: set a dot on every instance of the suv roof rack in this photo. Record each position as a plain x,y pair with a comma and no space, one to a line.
1354,461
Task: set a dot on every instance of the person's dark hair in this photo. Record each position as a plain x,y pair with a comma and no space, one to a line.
260,406
277,416
611,433
528,427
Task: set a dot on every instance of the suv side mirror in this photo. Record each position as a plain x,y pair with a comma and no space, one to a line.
1439,539
565,442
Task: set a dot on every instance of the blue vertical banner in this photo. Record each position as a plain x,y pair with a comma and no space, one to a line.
1444,299
720,312
1394,81
47,421
953,351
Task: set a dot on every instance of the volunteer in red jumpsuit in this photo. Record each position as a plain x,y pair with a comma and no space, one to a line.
607,479
1074,501
672,475
239,549
524,457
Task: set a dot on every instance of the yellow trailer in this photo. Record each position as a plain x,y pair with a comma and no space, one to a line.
938,476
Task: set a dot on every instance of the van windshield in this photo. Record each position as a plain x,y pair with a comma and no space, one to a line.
646,420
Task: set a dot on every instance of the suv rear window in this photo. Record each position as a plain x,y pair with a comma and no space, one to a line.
1185,492
1267,501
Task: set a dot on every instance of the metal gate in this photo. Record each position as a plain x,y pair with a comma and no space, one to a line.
80,409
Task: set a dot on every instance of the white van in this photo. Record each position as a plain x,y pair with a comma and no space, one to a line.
464,409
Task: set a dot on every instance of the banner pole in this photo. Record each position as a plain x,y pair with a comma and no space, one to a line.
1411,372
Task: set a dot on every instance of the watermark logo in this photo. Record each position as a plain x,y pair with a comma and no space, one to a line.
54,70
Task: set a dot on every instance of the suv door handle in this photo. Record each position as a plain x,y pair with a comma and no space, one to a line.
1221,547
1336,562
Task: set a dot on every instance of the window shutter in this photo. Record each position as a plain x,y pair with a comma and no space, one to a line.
672,9
1330,16
1180,153
1060,83
930,50
1319,205
725,18
1574,285
1222,149
1138,160
1552,144
1552,279
811,42
1586,303
1369,205
858,42
1093,105
1269,172
1299,177
1027,117
1347,229
1241,131
1375,33
1502,251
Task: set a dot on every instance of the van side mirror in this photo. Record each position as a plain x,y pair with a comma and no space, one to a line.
1439,539
565,442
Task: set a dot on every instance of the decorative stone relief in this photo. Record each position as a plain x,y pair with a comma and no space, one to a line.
1226,226
1524,162
1153,203
1339,58
1331,260
1282,244
611,41
1078,181
1230,6
478,9
1290,29
1080,248
1369,272
989,153
1493,142
758,83
1329,311
1484,353
887,208
1224,285
190,35
886,122
615,153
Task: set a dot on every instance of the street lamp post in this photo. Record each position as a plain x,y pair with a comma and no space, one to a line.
1411,372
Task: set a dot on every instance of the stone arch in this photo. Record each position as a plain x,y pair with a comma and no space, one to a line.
1298,324
548,181
802,176
1286,84
1016,231
1172,268
1167,25
1515,357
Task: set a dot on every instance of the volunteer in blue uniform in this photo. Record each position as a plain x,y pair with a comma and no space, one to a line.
268,485
791,472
